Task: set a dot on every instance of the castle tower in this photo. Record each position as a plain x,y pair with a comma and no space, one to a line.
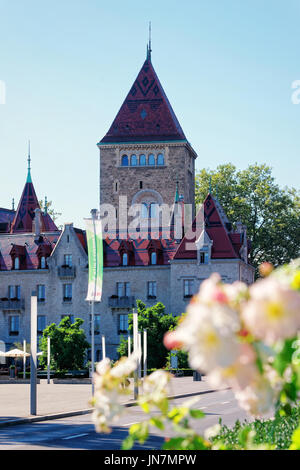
145,155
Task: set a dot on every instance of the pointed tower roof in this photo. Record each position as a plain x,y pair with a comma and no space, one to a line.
146,114
24,216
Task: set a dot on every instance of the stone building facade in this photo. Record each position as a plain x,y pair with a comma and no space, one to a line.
146,159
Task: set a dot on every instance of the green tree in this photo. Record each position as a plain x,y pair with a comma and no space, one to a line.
157,323
50,210
271,214
68,345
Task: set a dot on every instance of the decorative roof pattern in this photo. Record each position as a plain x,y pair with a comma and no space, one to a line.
146,114
225,245
25,211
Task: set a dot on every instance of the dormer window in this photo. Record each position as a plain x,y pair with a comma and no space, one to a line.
204,247
18,257
126,253
17,263
155,252
124,259
43,262
153,258
202,257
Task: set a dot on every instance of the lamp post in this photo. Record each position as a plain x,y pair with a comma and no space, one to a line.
33,350
136,352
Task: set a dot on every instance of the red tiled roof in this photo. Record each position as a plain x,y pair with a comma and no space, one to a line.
223,245
26,245
146,114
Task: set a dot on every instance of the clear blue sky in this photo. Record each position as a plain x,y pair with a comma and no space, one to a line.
226,65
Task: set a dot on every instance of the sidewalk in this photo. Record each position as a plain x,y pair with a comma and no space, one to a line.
61,400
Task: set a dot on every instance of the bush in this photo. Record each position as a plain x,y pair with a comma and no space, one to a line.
276,432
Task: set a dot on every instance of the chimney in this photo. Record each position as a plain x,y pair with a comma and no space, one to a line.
37,222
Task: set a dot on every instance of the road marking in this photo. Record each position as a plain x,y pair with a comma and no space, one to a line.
74,437
128,424
225,402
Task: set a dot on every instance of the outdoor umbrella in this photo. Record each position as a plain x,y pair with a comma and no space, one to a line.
15,353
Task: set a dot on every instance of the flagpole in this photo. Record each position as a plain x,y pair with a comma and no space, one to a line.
94,214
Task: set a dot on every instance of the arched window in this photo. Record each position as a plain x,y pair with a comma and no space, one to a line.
153,258
125,160
17,262
124,259
160,159
143,160
151,159
133,160
153,210
144,210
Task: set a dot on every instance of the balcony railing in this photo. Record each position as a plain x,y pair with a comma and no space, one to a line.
11,304
121,302
66,272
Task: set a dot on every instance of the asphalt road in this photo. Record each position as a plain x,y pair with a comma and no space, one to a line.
78,432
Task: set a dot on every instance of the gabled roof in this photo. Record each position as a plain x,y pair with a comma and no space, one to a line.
146,114
216,228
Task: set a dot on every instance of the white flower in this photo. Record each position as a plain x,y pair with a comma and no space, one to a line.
211,432
273,311
258,398
125,366
209,335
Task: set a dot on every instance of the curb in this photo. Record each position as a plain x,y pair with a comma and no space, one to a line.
67,414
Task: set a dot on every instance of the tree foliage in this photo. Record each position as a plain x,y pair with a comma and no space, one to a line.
68,345
157,322
271,214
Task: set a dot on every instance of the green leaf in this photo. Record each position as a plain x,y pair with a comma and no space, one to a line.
197,414
127,444
157,422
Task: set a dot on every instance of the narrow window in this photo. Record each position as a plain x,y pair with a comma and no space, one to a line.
125,160
68,260
141,184
153,258
142,160
14,325
133,160
67,292
124,259
151,290
188,287
43,262
123,324
153,210
17,263
96,324
127,289
41,293
41,324
160,159
202,257
144,210
151,159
